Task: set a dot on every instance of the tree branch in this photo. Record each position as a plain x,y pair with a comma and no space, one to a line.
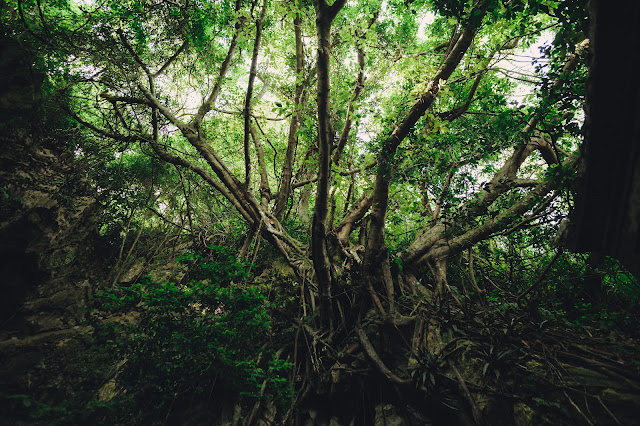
357,90
247,100
196,120
294,125
343,230
126,99
508,216
390,145
171,59
265,191
375,358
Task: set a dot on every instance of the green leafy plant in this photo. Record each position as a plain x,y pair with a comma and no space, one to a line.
428,369
202,340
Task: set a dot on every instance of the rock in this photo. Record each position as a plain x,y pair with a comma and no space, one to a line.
133,272
386,415
522,414
109,391
48,217
47,226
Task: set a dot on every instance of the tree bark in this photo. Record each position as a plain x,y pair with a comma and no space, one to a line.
249,95
375,247
294,126
325,15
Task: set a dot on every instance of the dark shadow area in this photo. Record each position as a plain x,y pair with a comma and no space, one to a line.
20,276
606,218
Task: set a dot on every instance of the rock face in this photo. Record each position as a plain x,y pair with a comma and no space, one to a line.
48,220
47,213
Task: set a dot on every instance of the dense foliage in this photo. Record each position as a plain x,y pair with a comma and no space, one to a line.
393,175
202,342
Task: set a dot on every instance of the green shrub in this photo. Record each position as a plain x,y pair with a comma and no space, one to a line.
202,341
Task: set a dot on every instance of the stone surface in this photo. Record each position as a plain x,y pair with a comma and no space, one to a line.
386,415
47,227
48,217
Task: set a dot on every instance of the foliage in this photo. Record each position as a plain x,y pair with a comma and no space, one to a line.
460,213
203,340
428,370
602,297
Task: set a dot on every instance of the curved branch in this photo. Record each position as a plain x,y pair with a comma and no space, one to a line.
390,145
132,52
171,59
502,220
377,362
196,120
350,172
343,230
155,103
459,111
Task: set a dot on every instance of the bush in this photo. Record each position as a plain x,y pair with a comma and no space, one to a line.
202,341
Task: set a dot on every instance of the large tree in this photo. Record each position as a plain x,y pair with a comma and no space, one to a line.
391,117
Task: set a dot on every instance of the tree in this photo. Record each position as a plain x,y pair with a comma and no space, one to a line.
397,130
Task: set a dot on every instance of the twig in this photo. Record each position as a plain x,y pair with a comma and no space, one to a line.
577,408
540,278
477,416
373,356
607,409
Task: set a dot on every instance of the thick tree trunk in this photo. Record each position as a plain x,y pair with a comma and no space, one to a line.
325,15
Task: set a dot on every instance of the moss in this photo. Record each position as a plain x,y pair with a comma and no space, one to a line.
523,415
